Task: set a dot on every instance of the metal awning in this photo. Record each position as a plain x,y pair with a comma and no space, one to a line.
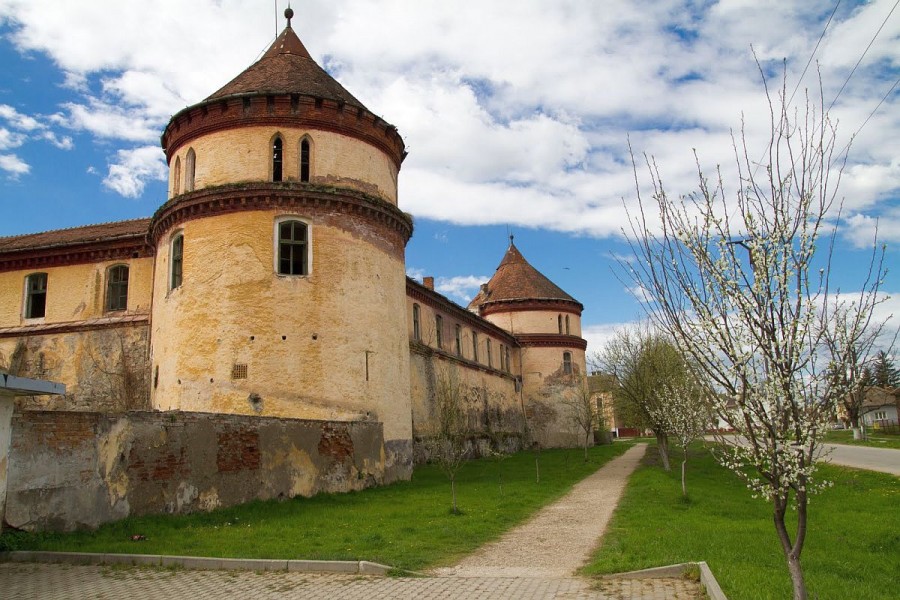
10,385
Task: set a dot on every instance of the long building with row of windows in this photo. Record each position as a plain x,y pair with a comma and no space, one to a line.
273,282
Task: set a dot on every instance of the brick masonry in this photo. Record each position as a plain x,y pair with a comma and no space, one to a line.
71,470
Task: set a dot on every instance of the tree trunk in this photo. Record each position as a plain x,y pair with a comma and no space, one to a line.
683,483
537,470
587,439
792,551
453,492
662,444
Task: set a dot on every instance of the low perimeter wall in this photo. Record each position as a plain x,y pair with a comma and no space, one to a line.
71,470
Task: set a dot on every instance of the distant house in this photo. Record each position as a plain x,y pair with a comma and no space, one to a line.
601,386
880,408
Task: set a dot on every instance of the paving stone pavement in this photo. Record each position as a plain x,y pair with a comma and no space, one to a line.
29,581
534,561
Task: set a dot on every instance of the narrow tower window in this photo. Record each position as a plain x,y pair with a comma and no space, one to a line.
35,295
567,324
567,363
177,260
276,159
304,160
117,288
293,248
190,166
417,333
176,178
559,323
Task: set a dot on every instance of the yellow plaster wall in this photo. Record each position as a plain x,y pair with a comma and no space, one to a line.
245,154
74,292
305,340
535,321
544,382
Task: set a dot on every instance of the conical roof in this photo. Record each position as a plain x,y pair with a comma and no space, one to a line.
287,68
516,280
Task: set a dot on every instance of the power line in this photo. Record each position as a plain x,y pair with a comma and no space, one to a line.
811,56
883,23
871,114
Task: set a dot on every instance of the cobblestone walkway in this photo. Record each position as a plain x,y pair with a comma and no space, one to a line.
534,561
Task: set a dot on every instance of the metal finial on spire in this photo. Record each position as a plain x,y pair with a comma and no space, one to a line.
511,236
289,14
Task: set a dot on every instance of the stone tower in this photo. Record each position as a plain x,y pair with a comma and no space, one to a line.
546,322
279,282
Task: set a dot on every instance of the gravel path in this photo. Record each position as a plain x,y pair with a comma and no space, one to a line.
561,536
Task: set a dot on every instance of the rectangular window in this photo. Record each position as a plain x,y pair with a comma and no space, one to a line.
177,259
459,340
567,363
36,296
293,248
117,288
439,331
417,332
502,357
490,359
508,366
474,346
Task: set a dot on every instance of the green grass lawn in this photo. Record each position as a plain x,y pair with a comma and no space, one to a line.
852,548
406,525
875,439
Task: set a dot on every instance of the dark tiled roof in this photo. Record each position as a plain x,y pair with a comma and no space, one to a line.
515,279
76,235
287,68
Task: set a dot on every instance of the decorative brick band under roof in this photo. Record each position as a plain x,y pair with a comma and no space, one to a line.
89,243
517,283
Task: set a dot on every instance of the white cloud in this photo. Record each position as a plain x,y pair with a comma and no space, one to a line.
10,139
19,120
13,165
460,287
109,121
134,168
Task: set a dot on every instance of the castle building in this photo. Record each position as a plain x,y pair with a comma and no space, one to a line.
272,282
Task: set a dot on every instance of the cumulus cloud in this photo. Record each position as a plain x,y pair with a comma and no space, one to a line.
460,287
133,168
13,165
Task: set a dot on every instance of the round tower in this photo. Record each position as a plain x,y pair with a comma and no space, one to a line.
546,322
279,285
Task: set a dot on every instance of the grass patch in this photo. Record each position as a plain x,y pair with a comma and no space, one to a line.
875,439
852,548
407,525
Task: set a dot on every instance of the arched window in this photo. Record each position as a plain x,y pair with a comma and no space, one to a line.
567,324
36,296
567,363
177,260
190,166
304,159
277,154
176,178
293,248
117,288
417,332
559,323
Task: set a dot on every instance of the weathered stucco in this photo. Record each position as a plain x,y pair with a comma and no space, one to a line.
75,292
536,321
329,345
546,391
103,367
245,154
79,470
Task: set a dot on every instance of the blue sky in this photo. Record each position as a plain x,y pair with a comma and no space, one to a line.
516,115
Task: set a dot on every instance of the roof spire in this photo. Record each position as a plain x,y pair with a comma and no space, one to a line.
289,14
511,236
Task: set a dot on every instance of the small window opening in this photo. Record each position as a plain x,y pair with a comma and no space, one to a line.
439,331
475,346
276,159
36,296
508,366
417,333
293,245
117,288
177,261
176,179
559,323
502,357
567,363
490,359
458,343
567,324
190,165
304,160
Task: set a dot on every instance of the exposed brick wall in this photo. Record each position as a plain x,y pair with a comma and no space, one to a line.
71,470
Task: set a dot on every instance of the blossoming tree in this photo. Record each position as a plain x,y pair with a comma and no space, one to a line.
734,278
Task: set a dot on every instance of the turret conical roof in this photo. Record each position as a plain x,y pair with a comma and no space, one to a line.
287,68
516,280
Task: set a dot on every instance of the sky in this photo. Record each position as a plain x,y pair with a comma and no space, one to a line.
517,115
